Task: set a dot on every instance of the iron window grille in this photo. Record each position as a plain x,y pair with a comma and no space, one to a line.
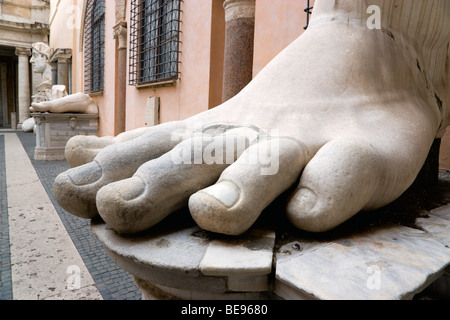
94,46
308,11
154,41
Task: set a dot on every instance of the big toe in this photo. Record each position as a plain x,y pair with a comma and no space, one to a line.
337,183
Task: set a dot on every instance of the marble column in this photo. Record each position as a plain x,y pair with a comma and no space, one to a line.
36,79
239,38
120,33
54,67
24,94
61,58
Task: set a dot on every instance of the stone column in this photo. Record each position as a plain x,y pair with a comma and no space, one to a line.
36,79
120,33
61,58
24,99
239,38
54,67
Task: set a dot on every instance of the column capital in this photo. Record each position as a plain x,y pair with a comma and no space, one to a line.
120,33
61,55
237,9
20,51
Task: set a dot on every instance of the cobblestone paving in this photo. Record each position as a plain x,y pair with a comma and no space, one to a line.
5,261
112,282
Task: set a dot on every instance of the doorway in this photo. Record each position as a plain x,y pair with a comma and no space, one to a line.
8,85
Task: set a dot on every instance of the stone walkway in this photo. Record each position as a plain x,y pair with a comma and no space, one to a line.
46,253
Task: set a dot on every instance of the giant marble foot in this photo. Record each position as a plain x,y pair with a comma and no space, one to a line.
347,112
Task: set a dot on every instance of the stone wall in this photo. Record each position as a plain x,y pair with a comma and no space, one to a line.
23,22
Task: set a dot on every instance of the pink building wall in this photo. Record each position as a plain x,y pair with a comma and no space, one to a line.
106,99
190,95
199,88
277,24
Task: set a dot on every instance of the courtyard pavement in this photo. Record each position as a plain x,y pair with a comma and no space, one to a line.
45,252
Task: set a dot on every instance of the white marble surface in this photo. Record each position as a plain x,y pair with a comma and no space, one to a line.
390,263
41,249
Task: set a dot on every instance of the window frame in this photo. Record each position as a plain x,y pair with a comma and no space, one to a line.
154,42
94,46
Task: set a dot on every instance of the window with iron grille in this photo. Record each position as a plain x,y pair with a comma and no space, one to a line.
154,41
94,46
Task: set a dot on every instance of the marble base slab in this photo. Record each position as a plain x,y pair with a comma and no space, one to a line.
181,261
388,263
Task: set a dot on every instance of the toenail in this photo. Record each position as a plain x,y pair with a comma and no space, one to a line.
130,189
305,199
86,174
226,192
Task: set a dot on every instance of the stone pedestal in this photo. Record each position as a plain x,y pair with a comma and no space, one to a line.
239,39
178,260
53,130
187,263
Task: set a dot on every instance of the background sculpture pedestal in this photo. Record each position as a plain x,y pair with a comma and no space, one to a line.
53,130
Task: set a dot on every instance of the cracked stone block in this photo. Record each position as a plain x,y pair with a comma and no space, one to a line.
198,295
389,263
248,283
166,257
437,224
246,261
